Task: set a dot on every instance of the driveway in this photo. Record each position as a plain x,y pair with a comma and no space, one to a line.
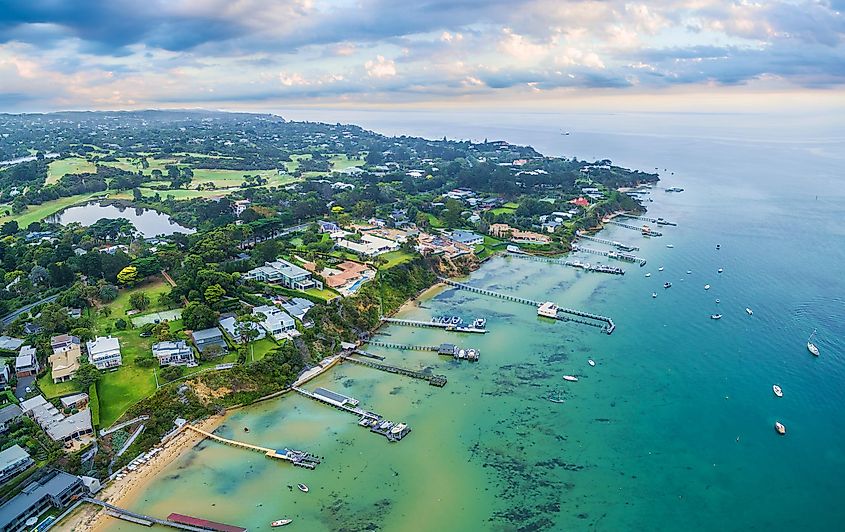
23,382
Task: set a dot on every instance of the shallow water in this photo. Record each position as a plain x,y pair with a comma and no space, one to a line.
673,428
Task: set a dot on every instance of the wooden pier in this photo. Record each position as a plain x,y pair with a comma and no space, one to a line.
658,221
435,325
650,232
442,349
625,257
599,240
608,325
140,519
368,354
297,458
598,268
433,380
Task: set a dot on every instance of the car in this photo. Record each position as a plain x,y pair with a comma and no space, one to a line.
157,321
28,389
145,334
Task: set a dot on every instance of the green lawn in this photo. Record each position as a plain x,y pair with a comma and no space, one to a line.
325,294
36,213
72,165
490,246
153,288
234,178
342,162
503,210
260,348
118,390
434,221
51,390
394,258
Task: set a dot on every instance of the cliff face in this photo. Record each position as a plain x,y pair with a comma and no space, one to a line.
456,267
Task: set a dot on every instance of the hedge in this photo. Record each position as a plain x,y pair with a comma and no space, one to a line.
94,404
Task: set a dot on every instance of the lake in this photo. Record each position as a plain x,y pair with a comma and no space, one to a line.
148,222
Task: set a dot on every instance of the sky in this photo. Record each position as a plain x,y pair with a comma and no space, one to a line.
266,54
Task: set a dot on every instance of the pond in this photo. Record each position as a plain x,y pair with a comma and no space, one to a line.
148,222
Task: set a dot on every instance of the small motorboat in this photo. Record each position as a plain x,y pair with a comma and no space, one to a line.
670,246
715,316
749,311
780,428
707,287
660,269
648,275
302,487
718,246
570,378
557,399
689,272
591,362
281,522
718,301
720,270
667,284
811,347
654,294
778,391
246,429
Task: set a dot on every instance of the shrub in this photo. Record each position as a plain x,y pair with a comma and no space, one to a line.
94,405
120,324
172,372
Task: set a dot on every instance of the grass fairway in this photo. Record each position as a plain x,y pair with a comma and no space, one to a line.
36,213
234,178
342,162
72,165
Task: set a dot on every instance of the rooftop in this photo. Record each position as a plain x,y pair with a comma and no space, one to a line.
53,484
207,334
12,456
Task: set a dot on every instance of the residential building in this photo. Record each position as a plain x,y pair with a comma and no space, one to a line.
54,423
8,415
104,352
7,343
177,353
30,328
53,489
467,238
285,273
328,227
369,246
239,206
12,461
5,375
297,307
345,273
229,325
517,235
276,321
64,362
79,400
63,341
208,337
550,226
26,363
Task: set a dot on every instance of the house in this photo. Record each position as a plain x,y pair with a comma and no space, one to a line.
12,461
8,415
104,352
31,328
467,238
64,362
230,326
5,375
26,363
550,226
79,400
328,227
7,343
285,273
518,235
297,307
239,206
580,202
276,321
369,245
346,273
52,490
74,313
207,337
54,423
177,353
62,341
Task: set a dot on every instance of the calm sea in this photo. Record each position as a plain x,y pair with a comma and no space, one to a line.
673,427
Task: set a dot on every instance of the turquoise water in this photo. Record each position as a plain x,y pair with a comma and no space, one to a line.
673,429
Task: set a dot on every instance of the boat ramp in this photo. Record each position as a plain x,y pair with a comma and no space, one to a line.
436,325
562,313
392,431
297,458
433,380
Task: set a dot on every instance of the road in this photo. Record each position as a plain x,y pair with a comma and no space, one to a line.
9,318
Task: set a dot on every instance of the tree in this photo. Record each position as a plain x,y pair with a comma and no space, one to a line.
86,375
147,266
120,324
38,274
9,228
136,195
128,276
107,293
246,328
211,352
198,316
171,373
214,293
139,300
162,333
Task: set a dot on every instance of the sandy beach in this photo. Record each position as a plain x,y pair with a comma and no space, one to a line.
428,293
90,518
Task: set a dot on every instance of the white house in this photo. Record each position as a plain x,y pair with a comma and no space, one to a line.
177,353
26,363
104,352
239,206
369,245
276,321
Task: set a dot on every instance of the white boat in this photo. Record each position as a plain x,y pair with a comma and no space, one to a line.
591,362
720,270
689,272
398,428
670,246
707,287
660,269
777,390
718,301
780,428
302,487
811,347
281,522
667,284
570,378
749,311
648,275
715,316
654,294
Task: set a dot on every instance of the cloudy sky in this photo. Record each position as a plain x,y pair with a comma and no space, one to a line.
264,54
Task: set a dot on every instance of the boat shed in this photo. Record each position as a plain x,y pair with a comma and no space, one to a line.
335,398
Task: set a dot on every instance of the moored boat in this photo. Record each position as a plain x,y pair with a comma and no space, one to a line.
648,275
591,362
715,316
811,347
720,270
281,522
780,428
660,269
777,389
302,487
749,311
667,284
654,294
570,378
707,287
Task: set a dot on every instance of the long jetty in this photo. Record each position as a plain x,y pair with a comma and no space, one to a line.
140,519
651,232
376,423
626,257
433,380
442,349
445,326
607,324
598,268
297,458
614,243
658,221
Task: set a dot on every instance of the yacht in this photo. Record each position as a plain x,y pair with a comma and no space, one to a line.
654,294
749,311
557,399
281,522
302,487
715,316
591,362
780,428
660,269
670,246
811,347
570,378
667,284
707,287
777,390
398,428
689,272
648,275
720,270
718,246
718,301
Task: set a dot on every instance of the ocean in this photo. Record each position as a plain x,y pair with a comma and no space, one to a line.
673,427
